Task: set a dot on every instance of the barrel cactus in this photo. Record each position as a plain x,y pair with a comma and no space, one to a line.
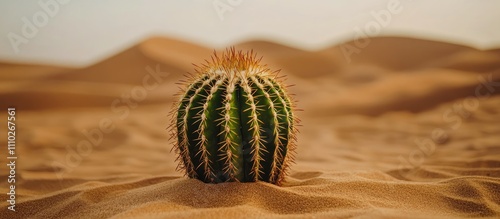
234,121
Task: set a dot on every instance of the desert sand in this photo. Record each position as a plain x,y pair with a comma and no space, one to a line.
408,128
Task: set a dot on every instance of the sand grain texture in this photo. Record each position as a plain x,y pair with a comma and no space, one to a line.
398,132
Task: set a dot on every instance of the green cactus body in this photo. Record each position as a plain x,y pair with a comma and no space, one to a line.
234,122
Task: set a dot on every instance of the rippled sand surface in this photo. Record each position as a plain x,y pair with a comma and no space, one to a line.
407,129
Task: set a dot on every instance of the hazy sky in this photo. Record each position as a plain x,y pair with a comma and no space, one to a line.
81,32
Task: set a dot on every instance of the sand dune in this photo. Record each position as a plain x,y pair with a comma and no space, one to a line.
102,83
400,53
398,132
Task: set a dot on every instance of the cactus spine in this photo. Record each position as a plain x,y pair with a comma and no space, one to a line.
234,122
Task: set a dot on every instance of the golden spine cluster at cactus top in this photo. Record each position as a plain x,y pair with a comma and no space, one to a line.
234,121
